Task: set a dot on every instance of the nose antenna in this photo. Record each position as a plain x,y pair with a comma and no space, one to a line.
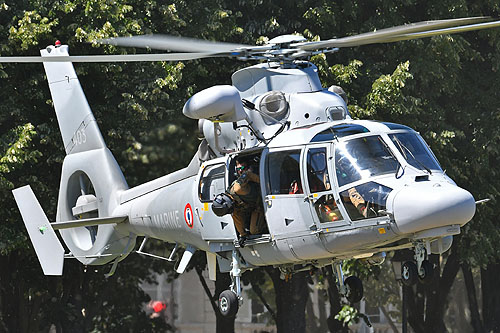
483,201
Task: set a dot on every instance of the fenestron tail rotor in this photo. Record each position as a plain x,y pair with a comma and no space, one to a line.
85,206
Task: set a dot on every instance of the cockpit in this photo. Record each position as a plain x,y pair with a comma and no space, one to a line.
346,172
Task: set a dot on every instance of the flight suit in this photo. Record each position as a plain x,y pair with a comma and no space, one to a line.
248,208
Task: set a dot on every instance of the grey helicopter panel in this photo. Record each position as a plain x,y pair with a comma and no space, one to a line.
262,78
213,179
287,205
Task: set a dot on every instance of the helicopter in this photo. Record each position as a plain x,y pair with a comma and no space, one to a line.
332,188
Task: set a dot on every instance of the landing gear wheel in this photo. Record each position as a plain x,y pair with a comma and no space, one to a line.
354,289
409,273
426,272
228,303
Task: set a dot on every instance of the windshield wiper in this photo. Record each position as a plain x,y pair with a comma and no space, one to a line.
393,156
403,147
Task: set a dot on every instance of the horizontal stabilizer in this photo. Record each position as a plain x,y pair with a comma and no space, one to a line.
49,250
88,222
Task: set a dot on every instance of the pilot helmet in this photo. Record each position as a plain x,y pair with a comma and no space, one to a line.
222,205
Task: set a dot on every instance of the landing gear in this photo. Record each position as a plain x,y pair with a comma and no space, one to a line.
354,289
228,303
422,270
351,288
229,300
426,272
409,273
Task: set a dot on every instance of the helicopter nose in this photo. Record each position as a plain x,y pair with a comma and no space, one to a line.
422,206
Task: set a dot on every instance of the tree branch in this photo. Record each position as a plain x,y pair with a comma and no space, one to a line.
258,291
471,295
207,290
389,319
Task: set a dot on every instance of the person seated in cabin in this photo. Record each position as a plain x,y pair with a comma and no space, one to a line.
353,200
295,187
326,209
248,214
358,201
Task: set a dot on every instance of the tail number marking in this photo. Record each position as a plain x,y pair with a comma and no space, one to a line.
80,137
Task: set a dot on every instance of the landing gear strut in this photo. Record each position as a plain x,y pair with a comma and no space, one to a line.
230,300
351,288
422,270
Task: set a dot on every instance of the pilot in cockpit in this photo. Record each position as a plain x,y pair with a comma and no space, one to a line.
248,214
345,175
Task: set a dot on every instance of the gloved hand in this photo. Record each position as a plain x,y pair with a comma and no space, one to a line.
242,240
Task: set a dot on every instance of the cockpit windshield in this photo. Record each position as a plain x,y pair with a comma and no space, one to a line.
415,151
363,158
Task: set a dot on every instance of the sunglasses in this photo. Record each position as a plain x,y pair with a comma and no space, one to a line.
241,168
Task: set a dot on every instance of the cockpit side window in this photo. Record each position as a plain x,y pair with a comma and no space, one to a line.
362,158
415,150
284,172
327,210
212,182
365,201
317,171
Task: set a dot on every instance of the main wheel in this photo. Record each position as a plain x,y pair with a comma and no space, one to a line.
409,274
228,303
354,289
426,272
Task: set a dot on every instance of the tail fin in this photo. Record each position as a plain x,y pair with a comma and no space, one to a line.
91,180
47,246
78,126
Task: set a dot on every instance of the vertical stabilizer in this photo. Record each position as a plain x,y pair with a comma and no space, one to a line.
78,126
47,246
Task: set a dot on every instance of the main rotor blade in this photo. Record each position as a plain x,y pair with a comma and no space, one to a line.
113,58
172,43
389,33
447,31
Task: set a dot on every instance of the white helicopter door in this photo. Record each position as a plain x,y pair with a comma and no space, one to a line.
212,180
320,189
287,210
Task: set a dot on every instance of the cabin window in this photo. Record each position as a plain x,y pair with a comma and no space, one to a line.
283,170
317,171
339,131
212,182
365,201
327,210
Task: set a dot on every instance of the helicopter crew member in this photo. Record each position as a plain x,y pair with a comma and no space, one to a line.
345,175
248,212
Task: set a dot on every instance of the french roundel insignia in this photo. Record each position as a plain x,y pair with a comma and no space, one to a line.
188,216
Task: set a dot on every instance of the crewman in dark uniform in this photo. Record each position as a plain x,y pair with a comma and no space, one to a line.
248,212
